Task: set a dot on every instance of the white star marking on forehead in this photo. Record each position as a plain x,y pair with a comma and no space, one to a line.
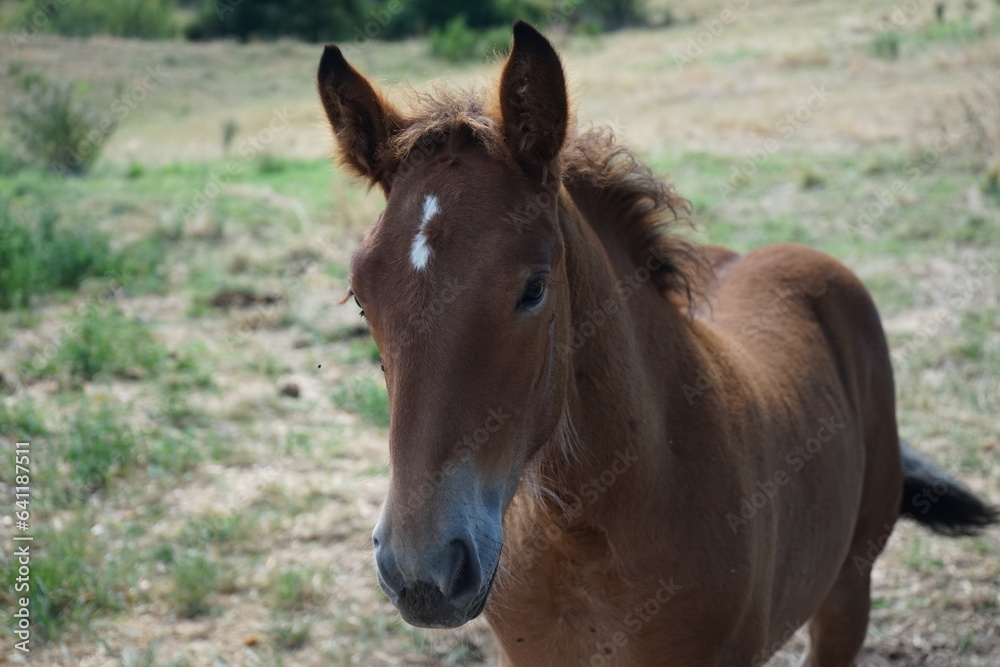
420,251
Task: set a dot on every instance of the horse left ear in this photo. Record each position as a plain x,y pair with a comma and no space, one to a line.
533,100
362,121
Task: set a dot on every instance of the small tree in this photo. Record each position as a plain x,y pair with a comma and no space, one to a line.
56,128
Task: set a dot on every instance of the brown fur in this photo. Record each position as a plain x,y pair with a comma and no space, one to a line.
635,407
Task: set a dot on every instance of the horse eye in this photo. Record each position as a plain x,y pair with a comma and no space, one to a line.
534,292
359,305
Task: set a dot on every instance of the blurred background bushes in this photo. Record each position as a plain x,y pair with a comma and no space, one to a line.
463,29
145,19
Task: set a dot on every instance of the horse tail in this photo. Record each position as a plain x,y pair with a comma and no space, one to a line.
935,498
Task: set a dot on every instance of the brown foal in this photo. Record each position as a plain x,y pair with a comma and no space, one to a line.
622,448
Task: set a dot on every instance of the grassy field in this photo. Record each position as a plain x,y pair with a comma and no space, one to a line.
208,427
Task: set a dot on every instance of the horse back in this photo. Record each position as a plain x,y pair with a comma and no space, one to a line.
812,363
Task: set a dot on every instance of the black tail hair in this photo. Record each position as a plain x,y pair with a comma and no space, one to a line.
935,498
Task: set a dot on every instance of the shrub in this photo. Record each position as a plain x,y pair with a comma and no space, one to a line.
69,255
613,14
144,19
17,268
56,129
98,448
589,28
496,42
40,254
885,45
456,41
389,19
310,20
103,342
419,16
195,578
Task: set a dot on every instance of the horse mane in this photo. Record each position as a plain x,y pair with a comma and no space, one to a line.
644,210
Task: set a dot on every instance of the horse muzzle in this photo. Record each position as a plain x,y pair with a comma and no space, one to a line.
439,584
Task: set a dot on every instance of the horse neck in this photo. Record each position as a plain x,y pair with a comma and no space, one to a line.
626,344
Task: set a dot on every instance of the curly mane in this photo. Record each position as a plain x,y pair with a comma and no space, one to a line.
644,210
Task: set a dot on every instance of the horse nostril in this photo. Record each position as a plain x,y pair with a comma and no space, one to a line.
389,575
466,580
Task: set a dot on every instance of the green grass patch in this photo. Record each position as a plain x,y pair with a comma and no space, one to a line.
57,233
946,32
183,375
360,350
371,630
977,344
290,636
72,579
291,589
180,187
188,368
893,41
102,342
892,293
137,266
248,213
144,656
175,454
195,577
175,409
365,396
42,251
40,255
11,161
21,420
218,529
297,442
732,201
885,45
99,447
976,230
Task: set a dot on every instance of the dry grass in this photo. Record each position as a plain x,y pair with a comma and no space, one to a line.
261,483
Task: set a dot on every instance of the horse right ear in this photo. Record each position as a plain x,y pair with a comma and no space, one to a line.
362,121
533,99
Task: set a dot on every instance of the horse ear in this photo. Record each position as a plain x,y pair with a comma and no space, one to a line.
533,98
362,121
